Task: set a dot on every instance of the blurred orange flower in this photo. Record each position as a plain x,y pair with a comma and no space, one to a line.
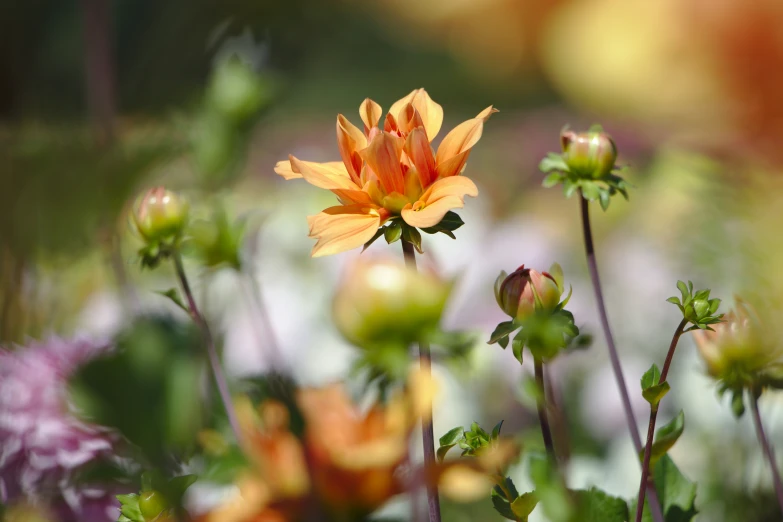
390,172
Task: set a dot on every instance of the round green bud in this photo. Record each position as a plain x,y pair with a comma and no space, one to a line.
384,302
152,504
160,214
236,92
588,154
525,290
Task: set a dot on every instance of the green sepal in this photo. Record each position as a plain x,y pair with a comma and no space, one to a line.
174,297
378,233
413,236
393,231
503,330
450,222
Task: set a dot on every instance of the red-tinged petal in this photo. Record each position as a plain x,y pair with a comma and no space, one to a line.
382,155
390,123
330,176
348,197
418,149
371,113
342,228
444,195
350,140
431,112
409,119
460,140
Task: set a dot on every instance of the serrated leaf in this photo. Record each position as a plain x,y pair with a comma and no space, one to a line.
594,505
651,377
502,330
392,232
503,507
523,505
676,493
378,233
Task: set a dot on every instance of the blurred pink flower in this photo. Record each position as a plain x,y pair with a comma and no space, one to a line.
42,444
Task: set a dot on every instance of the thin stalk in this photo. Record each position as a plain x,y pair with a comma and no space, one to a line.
592,266
765,446
543,420
646,479
214,360
428,435
270,344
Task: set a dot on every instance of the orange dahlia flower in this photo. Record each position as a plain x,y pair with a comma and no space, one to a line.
390,172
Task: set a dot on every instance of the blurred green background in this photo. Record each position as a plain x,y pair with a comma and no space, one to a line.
100,99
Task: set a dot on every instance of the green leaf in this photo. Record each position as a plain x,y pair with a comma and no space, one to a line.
569,187
503,507
502,330
452,436
496,431
651,377
411,235
552,179
738,403
450,222
393,231
129,507
551,162
503,341
594,505
667,435
442,451
173,295
590,191
517,346
378,233
654,394
523,505
673,300
683,289
604,198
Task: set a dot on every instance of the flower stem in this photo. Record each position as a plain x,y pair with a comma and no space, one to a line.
428,434
592,266
546,432
765,446
214,360
646,479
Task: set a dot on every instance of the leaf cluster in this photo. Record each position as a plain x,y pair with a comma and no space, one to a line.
698,309
601,189
397,229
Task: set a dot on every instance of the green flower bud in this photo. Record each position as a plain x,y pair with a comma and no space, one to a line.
236,92
384,302
525,290
160,214
588,154
152,504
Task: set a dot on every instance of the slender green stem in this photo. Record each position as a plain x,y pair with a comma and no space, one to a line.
767,448
592,266
646,479
543,420
214,360
428,434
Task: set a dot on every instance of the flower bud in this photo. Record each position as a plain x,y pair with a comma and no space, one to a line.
382,302
523,291
588,154
736,352
151,504
160,214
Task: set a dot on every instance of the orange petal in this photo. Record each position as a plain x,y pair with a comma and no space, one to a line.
409,119
343,228
459,142
330,176
348,197
284,169
418,149
431,112
444,195
350,140
370,113
383,157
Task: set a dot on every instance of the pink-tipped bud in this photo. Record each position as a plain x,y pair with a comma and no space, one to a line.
160,214
588,154
523,291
